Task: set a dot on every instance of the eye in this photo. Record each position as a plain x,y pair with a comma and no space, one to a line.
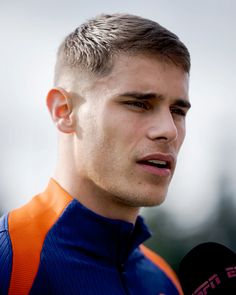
178,111
138,105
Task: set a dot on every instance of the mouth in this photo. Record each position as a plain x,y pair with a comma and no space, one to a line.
158,164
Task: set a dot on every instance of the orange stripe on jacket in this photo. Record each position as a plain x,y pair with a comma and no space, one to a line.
28,227
160,262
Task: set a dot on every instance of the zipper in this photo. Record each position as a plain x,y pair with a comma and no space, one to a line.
121,271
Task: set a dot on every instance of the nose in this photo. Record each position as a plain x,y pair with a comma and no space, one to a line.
163,127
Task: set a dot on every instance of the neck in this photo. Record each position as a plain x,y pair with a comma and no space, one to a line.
94,198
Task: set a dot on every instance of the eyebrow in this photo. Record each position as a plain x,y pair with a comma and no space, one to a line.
150,96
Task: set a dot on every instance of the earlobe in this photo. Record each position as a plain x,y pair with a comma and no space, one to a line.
60,107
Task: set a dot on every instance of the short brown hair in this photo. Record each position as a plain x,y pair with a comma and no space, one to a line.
93,45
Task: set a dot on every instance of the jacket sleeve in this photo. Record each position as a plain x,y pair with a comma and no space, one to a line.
5,256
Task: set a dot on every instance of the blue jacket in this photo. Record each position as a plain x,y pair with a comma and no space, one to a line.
54,245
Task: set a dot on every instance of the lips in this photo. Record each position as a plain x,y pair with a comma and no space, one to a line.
162,160
158,164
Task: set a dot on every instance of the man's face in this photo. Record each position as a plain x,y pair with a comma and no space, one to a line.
130,126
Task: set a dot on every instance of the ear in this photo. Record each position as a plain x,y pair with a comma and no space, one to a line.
60,107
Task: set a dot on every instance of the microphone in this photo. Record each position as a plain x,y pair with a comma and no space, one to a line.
209,268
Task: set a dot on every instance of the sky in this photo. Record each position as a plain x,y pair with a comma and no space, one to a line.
31,32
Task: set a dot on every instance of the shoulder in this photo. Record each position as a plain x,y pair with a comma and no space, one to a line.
28,228
5,255
158,261
22,235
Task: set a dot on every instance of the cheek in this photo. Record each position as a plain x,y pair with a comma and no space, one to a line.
122,135
102,139
89,137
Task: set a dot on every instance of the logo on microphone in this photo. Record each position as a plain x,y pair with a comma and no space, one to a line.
231,272
213,281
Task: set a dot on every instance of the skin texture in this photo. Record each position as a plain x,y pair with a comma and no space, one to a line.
103,132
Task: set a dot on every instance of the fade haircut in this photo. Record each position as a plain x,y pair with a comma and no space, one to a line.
93,46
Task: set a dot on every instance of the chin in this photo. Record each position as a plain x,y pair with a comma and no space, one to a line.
146,200
153,197
153,201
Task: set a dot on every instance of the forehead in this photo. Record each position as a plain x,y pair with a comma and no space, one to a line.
145,74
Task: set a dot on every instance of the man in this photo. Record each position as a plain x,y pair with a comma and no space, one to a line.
119,103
